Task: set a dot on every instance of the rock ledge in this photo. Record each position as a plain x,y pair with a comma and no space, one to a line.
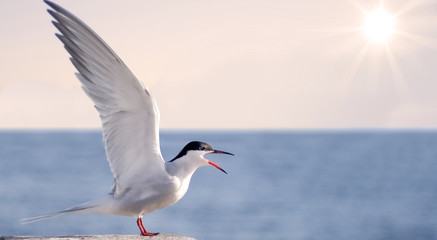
99,237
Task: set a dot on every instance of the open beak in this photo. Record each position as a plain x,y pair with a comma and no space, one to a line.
215,164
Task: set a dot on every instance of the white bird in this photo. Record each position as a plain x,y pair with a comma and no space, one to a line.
143,181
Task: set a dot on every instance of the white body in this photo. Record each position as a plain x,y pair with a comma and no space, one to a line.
151,195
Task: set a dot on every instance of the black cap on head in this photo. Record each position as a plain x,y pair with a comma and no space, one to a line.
194,145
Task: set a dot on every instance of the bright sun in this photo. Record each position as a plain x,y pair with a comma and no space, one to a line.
379,26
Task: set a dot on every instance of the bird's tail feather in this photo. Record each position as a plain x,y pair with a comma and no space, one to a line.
42,217
77,209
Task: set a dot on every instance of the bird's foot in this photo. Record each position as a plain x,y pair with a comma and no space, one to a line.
143,230
148,234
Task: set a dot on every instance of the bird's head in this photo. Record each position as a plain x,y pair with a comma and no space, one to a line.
196,151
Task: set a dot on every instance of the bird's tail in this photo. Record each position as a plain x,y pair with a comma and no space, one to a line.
43,217
82,208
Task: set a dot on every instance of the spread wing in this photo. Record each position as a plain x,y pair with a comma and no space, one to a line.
129,114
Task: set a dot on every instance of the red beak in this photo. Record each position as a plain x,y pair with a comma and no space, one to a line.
215,164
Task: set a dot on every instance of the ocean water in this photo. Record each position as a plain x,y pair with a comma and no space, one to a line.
330,185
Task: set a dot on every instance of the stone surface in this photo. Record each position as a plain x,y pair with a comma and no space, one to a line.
99,237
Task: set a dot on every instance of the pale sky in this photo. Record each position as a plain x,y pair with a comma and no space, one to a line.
237,64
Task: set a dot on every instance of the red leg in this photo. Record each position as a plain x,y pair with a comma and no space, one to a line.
143,230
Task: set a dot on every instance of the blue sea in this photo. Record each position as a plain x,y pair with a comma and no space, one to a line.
307,185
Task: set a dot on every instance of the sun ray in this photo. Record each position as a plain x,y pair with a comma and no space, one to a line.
400,82
358,6
408,6
354,67
422,40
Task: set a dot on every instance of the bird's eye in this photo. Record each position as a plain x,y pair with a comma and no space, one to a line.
201,148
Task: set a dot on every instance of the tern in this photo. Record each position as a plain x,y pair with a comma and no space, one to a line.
143,181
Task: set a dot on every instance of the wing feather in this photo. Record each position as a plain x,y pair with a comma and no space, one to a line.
129,114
